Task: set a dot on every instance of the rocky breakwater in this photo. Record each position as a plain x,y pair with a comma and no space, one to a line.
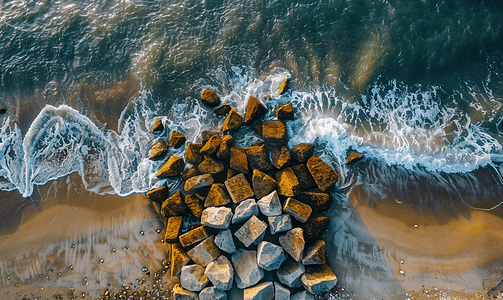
246,212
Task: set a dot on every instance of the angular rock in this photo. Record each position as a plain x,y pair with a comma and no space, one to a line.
314,254
269,205
238,160
159,194
158,126
211,146
173,229
281,292
176,139
262,291
246,270
245,210
258,158
207,134
280,223
222,110
252,231
217,196
216,217
263,184
297,209
173,206
233,121
239,189
192,154
258,143
318,279
270,256
283,87
254,110
302,152
306,181
197,182
290,273
315,226
212,293
353,157
209,97
224,241
190,172
322,173
302,295
195,205
210,166
274,133
285,112
192,278
205,252
293,243
159,149
195,235
173,167
179,259
317,201
231,173
228,139
221,273
288,184
179,293
280,157
258,129
224,149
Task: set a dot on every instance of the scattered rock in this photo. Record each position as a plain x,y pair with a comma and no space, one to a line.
224,241
262,291
302,152
247,272
217,217
179,293
318,201
212,293
252,231
173,206
210,166
322,173
293,243
245,210
258,158
195,205
270,256
269,205
263,184
315,254
280,157
222,110
173,229
318,279
280,223
159,149
217,196
192,154
238,160
159,194
283,87
173,167
209,97
281,292
197,182
220,273
207,134
297,209
288,184
192,278
290,273
254,110
194,236
285,112
211,146
158,126
303,295
315,226
353,157
176,139
190,172
179,259
306,181
233,121
274,133
238,187
205,252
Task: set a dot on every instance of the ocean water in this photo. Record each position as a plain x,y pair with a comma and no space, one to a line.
415,86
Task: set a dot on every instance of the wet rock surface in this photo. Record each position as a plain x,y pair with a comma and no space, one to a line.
324,176
173,167
285,112
194,236
315,254
159,194
254,110
173,206
210,97
176,139
159,149
197,182
297,209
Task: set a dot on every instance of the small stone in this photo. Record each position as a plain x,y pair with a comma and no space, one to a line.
252,231
353,157
211,146
247,272
293,243
195,205
179,259
283,87
288,184
315,226
285,112
192,154
194,236
222,110
209,97
217,196
158,126
274,133
315,254
238,160
280,157
270,256
159,194
198,182
263,184
318,279
302,295
210,166
173,229
189,173
179,293
205,252
224,241
173,206
302,152
173,167
281,292
317,201
297,209
239,189
159,149
245,210
212,293
176,139
254,110
322,173
290,273
192,278
233,121
221,273
262,291
280,223
306,181
217,217
258,143
269,205
258,158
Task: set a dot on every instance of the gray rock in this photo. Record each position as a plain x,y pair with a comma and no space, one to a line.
263,291
290,273
179,293
304,295
318,279
252,231
270,256
192,278
281,292
224,241
315,254
217,217
280,223
269,205
212,293
247,271
297,209
220,273
293,243
205,252
198,182
245,210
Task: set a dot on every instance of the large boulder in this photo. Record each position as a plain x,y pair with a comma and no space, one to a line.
159,149
274,133
212,293
239,189
285,112
210,97
293,243
176,139
158,127
211,146
318,201
322,173
245,210
221,273
179,293
280,157
280,223
194,236
297,209
314,254
173,206
254,110
306,181
258,158
205,252
217,217
315,226
247,271
192,278
269,205
173,229
318,279
198,182
262,291
288,184
173,167
224,241
195,205
302,152
233,121
252,231
238,160
179,259
290,273
159,194
210,166
192,154
262,183
217,196
270,256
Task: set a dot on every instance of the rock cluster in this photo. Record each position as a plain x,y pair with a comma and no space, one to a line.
246,210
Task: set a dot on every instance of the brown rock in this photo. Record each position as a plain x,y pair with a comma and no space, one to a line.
353,157
176,139
231,173
258,143
197,182
318,279
159,194
158,126
222,110
190,172
173,167
274,133
205,253
217,196
322,173
173,229
280,157
315,226
297,209
258,129
302,152
179,259
210,166
239,189
288,184
285,112
233,121
306,181
258,158
283,87
207,134
224,148
238,160
195,235
173,206
254,110
211,146
195,205
210,98
159,149
263,184
228,139
192,153
318,201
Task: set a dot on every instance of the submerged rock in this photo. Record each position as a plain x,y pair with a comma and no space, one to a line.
159,149
247,271
176,139
173,167
233,121
285,112
159,194
173,206
324,176
254,110
210,97
353,157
